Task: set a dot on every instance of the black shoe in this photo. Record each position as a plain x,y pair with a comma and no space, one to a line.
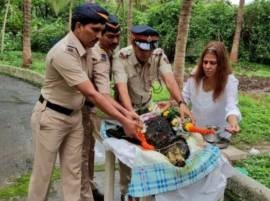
123,197
129,198
97,195
223,143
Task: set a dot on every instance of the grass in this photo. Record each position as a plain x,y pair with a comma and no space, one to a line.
258,167
255,110
255,126
14,58
19,187
251,69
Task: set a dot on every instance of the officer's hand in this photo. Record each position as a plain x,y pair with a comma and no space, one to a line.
132,115
163,106
131,126
184,111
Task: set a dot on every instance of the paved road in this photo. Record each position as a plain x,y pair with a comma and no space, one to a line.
16,102
17,99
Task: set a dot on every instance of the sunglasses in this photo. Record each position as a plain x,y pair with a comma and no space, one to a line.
147,45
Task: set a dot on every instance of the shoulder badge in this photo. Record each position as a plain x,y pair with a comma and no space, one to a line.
125,53
158,51
71,50
165,58
103,57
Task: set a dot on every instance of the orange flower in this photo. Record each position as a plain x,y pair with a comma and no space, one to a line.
190,127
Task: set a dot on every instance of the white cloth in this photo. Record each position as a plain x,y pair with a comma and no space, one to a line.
208,112
210,188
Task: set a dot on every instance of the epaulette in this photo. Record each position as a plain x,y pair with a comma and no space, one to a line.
158,51
103,57
125,53
71,50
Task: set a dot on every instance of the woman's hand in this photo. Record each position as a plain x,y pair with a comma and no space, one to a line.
233,126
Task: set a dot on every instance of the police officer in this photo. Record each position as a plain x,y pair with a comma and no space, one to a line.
100,75
57,119
136,67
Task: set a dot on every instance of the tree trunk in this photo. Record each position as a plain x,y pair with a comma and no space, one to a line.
27,55
181,41
129,20
4,27
70,14
237,33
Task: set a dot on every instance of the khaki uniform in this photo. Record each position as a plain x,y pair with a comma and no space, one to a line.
139,80
100,76
67,65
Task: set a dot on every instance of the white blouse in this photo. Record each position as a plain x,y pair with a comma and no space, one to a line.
208,112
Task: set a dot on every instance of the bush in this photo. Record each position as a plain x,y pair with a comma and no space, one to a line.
256,35
212,21
47,35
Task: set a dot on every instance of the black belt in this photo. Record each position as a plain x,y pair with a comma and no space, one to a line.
89,104
55,107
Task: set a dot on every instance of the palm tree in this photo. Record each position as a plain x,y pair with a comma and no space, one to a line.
129,20
181,41
237,33
4,26
70,15
27,55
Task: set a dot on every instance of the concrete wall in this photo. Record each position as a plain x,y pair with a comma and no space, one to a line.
24,74
244,188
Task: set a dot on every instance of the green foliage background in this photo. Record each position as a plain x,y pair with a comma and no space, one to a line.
211,20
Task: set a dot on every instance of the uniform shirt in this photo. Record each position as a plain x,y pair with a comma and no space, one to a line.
68,64
100,74
208,112
139,79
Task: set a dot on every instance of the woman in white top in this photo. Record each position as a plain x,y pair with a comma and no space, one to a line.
212,90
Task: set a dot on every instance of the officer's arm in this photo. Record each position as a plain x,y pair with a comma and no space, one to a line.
124,96
88,90
174,90
120,108
172,86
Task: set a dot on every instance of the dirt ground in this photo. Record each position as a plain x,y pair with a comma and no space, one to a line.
254,84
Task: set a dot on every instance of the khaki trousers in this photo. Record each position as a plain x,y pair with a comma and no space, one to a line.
54,133
91,125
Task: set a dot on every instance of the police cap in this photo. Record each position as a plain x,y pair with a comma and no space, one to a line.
89,13
112,24
145,37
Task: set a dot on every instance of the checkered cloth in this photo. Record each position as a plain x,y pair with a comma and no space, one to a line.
161,177
158,175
